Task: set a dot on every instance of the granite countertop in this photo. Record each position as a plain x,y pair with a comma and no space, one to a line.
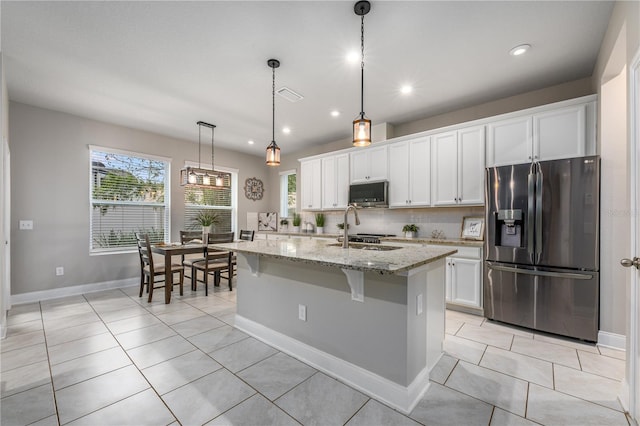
320,252
446,242
300,234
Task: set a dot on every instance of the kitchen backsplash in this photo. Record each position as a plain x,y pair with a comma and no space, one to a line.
391,221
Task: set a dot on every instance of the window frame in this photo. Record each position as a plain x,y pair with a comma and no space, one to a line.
167,197
284,191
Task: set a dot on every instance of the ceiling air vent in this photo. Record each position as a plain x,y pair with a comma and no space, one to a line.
289,94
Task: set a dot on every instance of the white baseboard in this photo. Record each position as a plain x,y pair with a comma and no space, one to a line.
612,340
36,296
402,398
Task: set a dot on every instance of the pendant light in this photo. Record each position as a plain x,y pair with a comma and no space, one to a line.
205,178
273,150
362,125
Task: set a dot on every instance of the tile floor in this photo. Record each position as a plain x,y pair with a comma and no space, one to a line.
110,358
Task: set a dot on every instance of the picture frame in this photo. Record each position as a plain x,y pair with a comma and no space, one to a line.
472,228
268,221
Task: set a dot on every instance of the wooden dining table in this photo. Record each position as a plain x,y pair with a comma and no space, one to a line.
170,250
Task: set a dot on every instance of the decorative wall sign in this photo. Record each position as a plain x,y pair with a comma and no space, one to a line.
472,228
268,221
253,188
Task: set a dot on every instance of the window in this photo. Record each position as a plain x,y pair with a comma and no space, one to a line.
223,202
128,195
287,193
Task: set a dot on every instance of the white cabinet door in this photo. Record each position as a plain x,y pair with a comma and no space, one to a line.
420,172
448,278
399,174
311,174
465,282
509,141
369,165
559,133
335,181
471,165
444,166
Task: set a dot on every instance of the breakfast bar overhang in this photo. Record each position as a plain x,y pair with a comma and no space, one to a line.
373,319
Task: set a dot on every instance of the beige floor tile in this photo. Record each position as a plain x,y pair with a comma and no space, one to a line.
159,351
169,375
92,365
25,378
28,407
506,328
22,357
492,387
444,406
242,354
442,369
18,341
517,365
218,338
612,352
128,312
488,337
82,347
591,387
602,365
565,341
256,410
197,325
452,325
375,413
63,335
133,323
546,351
185,314
78,319
143,336
464,349
24,313
464,317
504,418
549,407
24,327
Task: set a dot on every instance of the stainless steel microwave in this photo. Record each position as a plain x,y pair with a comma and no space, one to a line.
370,194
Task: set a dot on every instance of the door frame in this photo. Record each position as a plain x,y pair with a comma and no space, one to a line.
633,350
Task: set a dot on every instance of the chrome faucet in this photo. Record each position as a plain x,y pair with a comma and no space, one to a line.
345,241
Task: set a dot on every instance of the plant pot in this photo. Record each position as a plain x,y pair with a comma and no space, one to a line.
409,234
319,229
296,229
206,230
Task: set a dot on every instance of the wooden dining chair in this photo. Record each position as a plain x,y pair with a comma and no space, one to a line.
215,263
187,237
245,235
149,271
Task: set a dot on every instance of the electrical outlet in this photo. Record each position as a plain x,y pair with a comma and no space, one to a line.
419,304
302,312
26,225
59,271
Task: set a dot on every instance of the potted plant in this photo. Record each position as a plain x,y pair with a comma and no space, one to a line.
341,225
206,219
284,224
320,223
297,219
410,230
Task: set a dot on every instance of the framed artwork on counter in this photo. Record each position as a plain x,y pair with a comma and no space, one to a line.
268,221
472,228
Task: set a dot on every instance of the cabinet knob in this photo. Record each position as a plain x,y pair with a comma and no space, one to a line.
529,157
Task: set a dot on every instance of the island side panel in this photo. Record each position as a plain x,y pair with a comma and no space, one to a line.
370,334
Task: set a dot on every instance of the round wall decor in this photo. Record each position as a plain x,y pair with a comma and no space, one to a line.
253,188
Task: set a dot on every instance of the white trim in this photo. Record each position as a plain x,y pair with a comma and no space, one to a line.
402,398
612,340
36,296
126,152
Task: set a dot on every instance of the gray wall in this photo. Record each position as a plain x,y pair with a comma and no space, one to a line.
50,185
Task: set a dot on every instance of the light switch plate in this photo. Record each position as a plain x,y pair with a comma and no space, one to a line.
302,312
26,225
419,304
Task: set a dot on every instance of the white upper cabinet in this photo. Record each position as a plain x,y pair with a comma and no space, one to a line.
457,167
548,135
311,175
335,182
409,173
369,164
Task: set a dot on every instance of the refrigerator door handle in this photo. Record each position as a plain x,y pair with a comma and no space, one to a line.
531,182
539,183
540,273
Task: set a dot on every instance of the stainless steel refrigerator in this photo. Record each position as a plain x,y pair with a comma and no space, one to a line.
542,247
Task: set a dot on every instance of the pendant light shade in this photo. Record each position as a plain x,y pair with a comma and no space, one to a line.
362,125
273,150
205,178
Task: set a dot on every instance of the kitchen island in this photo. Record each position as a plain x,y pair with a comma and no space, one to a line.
371,318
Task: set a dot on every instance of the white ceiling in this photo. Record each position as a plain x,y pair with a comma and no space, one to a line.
162,66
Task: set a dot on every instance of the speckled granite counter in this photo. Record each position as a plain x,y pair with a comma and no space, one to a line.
321,252
445,242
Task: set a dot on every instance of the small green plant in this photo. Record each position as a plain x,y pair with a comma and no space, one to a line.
284,222
341,225
206,218
410,228
320,220
297,219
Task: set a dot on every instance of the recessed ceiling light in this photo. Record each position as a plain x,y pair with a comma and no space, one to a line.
406,89
335,113
520,50
353,57
286,130
250,142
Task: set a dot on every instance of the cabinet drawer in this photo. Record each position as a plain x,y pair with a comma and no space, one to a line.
464,251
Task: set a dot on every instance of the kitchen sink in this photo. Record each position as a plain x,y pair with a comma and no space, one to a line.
372,247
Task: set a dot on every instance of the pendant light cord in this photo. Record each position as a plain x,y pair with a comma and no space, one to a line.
199,137
273,105
362,68
212,166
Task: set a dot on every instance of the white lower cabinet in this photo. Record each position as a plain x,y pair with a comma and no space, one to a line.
464,277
